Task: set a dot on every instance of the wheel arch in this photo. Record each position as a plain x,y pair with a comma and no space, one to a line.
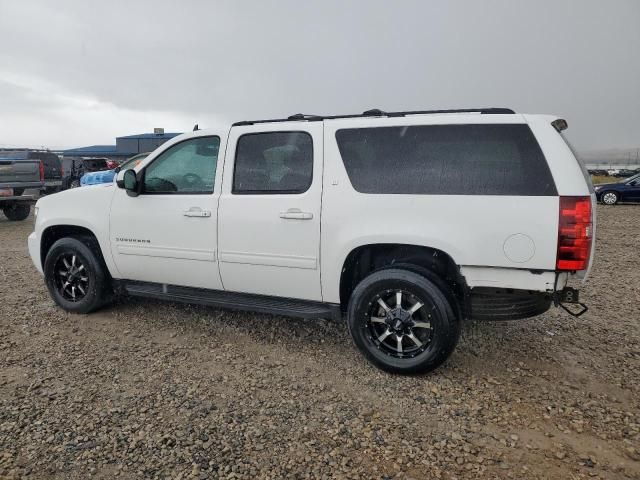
53,233
433,263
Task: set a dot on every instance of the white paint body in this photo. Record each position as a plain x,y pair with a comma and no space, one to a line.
246,246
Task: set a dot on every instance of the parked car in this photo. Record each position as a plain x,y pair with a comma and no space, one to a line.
599,172
626,190
405,223
107,176
17,174
74,168
624,173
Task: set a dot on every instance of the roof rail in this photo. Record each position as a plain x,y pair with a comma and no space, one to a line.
375,112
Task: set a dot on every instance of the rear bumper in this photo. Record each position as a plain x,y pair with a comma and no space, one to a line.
33,242
489,304
18,198
517,279
24,185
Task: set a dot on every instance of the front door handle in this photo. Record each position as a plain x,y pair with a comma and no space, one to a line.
296,214
197,212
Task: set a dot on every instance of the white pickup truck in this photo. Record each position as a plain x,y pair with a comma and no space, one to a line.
405,223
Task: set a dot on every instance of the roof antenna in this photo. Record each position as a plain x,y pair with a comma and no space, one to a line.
195,128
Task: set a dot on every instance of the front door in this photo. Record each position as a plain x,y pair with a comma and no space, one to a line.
167,234
269,226
632,190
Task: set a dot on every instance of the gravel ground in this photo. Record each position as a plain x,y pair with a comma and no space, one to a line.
145,389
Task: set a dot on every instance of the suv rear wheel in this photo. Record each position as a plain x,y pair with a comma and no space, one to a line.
76,277
402,322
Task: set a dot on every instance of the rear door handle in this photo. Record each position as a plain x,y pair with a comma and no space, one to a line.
296,214
197,212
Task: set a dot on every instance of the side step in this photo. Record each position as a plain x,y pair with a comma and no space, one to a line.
289,307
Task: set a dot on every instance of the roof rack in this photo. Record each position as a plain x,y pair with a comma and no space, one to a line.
375,112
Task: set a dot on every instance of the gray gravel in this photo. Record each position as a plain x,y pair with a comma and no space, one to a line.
145,389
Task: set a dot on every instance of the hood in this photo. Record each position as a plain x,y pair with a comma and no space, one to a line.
84,207
599,186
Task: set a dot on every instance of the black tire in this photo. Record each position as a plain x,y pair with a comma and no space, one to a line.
17,211
435,343
610,198
94,291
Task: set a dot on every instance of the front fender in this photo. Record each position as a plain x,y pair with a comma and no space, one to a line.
86,207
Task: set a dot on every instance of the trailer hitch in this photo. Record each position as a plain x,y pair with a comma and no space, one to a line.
569,296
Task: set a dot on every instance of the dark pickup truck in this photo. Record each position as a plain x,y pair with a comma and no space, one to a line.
18,174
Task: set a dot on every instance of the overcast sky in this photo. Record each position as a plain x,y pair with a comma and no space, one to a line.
75,73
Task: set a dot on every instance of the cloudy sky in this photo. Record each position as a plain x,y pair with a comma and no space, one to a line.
76,73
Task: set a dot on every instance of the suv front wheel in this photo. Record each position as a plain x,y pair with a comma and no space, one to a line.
402,322
76,276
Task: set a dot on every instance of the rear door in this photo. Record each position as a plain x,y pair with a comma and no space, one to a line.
269,217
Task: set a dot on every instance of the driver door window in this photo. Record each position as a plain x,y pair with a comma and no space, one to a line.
188,167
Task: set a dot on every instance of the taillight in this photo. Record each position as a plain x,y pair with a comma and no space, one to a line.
575,229
41,171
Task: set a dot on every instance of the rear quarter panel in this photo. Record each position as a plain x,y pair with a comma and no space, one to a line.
472,229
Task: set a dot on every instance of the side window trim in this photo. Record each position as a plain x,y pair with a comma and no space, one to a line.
235,191
143,172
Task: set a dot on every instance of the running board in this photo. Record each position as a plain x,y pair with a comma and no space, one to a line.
289,307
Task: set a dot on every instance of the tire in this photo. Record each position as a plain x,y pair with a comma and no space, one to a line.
402,341
610,198
69,258
17,211
75,183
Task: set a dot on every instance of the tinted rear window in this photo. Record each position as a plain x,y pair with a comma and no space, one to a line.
446,160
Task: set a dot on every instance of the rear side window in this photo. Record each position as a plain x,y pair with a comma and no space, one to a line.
446,160
273,162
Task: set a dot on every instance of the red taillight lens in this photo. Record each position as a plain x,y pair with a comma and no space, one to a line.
575,231
41,171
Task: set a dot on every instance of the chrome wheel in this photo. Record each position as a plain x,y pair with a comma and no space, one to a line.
71,278
399,323
610,198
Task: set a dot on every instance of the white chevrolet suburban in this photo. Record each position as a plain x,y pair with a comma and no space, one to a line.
405,223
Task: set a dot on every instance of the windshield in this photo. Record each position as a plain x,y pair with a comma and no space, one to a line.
630,179
133,162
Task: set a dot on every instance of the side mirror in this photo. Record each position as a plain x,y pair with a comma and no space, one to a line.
128,180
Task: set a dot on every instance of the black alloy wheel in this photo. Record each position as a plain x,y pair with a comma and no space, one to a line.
403,322
76,276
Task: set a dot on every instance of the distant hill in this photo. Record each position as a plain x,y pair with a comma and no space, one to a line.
612,155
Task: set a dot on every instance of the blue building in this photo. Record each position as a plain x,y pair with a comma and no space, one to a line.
125,147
